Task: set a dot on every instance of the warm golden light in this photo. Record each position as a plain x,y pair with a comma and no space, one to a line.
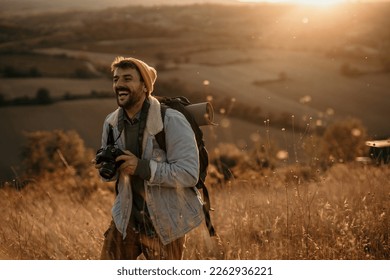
319,2
303,2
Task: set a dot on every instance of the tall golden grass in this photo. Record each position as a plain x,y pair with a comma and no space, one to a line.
281,214
285,213
59,216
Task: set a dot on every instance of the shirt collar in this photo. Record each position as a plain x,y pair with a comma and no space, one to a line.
134,120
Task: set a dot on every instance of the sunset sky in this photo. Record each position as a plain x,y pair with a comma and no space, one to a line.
311,2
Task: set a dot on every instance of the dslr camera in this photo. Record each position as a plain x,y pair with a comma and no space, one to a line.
106,157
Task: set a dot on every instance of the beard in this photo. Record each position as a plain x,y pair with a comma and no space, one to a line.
131,99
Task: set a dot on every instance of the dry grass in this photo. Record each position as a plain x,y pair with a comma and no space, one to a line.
342,214
61,216
288,213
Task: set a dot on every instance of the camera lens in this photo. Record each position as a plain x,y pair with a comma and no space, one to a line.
107,171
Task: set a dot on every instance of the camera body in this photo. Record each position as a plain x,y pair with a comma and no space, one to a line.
106,157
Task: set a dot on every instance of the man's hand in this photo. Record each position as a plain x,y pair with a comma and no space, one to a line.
129,164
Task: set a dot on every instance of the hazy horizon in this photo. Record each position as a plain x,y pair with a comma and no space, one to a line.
24,5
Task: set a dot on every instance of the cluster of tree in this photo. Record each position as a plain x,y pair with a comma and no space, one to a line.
9,71
42,97
13,72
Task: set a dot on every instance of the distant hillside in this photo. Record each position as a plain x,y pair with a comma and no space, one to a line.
39,6
288,65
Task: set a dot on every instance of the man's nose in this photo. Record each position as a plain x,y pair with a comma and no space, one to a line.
120,83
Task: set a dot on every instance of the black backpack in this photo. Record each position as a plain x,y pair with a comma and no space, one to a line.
179,103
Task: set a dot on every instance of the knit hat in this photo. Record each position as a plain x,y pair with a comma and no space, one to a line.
148,73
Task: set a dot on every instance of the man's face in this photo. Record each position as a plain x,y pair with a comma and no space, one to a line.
128,87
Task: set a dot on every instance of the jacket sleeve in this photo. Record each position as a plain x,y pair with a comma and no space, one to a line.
181,167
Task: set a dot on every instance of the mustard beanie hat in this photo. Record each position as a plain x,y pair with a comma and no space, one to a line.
148,73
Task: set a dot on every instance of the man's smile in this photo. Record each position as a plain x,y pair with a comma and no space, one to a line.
122,92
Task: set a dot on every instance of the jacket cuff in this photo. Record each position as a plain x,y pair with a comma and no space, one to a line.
143,169
153,169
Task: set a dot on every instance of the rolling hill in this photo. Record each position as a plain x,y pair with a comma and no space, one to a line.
318,65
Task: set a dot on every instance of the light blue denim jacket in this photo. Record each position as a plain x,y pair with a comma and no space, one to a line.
174,203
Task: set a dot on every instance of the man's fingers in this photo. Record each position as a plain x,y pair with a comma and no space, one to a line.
123,157
128,153
129,162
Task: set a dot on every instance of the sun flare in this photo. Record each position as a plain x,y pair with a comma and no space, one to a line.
302,2
318,2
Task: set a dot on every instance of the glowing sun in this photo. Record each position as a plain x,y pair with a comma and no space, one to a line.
317,2
303,2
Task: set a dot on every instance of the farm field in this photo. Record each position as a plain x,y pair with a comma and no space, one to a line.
325,105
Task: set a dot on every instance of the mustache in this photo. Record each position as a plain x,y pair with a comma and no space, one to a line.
121,88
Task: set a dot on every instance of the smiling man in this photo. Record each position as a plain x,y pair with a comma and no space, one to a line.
156,202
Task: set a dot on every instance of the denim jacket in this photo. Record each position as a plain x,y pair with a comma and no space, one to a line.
174,203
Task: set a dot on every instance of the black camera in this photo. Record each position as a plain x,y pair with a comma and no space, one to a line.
106,157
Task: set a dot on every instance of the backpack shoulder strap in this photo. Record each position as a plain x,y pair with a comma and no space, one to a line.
160,137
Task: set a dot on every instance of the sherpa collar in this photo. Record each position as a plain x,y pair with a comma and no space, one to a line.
154,122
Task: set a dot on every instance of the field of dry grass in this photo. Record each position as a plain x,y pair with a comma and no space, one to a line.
341,214
58,217
287,213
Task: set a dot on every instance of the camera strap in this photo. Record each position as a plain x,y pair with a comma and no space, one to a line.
110,138
120,125
142,125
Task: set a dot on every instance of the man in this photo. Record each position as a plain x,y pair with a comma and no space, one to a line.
156,202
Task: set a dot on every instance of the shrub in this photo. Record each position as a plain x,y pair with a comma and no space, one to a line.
225,157
43,96
53,150
344,141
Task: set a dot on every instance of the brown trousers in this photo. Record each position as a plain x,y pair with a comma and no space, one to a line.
136,243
